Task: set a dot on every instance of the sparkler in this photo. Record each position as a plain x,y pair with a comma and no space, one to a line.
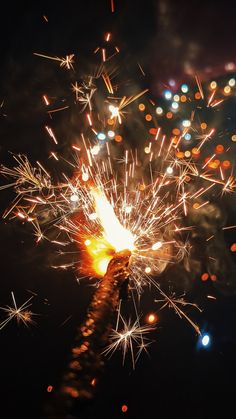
118,205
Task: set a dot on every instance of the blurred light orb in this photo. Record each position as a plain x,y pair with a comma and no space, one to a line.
101,136
213,85
175,105
187,154
151,318
205,340
186,123
172,82
232,82
229,66
124,408
168,94
188,136
176,98
169,170
159,110
184,88
111,134
227,90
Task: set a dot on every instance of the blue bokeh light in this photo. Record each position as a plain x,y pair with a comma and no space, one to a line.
168,94
101,136
205,340
184,88
187,137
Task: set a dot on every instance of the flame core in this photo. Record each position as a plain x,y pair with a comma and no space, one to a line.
115,236
119,237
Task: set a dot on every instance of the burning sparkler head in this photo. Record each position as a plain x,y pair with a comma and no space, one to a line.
119,264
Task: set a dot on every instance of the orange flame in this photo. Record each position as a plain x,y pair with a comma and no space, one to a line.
114,236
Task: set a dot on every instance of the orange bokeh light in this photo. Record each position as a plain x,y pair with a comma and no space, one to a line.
118,138
148,117
151,318
195,152
153,131
124,408
141,107
203,125
226,164
205,276
180,154
219,149
176,131
233,247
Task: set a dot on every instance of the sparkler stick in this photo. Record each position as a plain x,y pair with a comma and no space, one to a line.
86,361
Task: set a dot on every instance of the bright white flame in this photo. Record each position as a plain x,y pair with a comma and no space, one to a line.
114,232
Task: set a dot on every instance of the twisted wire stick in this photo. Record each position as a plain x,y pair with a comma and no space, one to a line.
86,361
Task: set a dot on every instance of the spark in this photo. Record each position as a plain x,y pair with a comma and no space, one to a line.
229,227
46,100
131,334
50,132
66,62
57,110
21,313
112,6
199,85
175,304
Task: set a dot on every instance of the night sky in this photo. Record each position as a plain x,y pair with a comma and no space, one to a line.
178,378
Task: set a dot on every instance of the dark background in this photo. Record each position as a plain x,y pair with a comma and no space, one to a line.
178,379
